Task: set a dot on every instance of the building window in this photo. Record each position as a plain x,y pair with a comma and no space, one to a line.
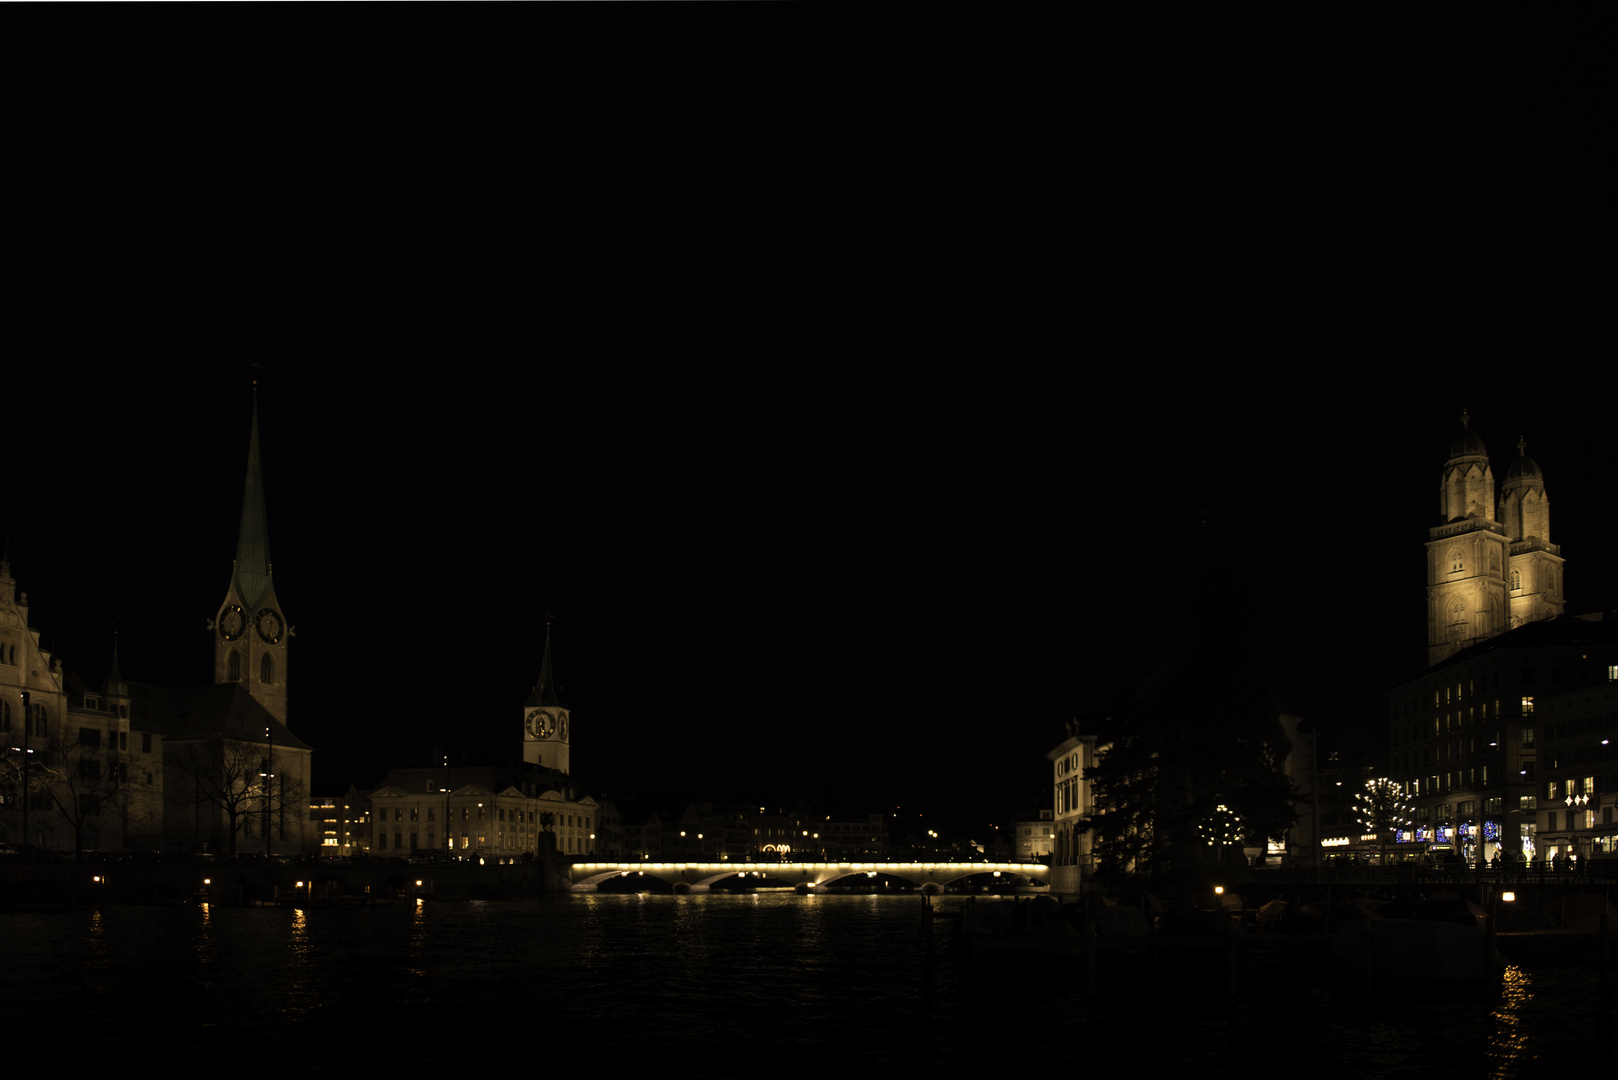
266,669
90,737
1516,581
233,667
1456,562
5,715
146,742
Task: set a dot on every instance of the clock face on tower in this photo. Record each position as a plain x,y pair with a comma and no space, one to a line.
269,626
232,622
540,724
562,729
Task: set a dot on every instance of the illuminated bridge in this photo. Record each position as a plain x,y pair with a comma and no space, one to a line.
806,876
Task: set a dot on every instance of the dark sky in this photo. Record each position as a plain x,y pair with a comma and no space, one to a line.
860,389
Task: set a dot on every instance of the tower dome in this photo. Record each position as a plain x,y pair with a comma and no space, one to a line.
1467,489
1467,443
1525,508
1524,470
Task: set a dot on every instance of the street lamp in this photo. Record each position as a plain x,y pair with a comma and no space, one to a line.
265,778
27,730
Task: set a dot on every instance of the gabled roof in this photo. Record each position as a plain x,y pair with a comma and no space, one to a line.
491,777
205,712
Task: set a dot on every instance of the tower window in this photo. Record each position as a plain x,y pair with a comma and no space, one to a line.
1516,581
233,668
266,669
1456,562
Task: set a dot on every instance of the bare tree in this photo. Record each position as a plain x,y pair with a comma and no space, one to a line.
241,777
10,783
84,775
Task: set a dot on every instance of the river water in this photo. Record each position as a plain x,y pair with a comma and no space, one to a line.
728,985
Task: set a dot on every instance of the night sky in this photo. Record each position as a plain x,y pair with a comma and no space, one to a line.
862,390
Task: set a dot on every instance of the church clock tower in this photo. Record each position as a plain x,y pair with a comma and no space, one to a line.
249,632
546,733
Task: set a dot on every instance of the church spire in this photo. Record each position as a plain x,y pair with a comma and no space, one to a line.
115,686
545,690
253,541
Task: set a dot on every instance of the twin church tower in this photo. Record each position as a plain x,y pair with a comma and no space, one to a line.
1491,565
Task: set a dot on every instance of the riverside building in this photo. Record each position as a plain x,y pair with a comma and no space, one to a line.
1466,739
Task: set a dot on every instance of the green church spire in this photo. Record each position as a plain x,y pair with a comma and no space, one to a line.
545,690
253,542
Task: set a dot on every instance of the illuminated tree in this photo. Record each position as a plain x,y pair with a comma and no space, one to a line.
1380,809
1221,829
1198,741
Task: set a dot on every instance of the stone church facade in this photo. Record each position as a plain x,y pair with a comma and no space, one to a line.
132,766
1491,565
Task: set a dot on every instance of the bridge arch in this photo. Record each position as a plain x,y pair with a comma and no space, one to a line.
806,876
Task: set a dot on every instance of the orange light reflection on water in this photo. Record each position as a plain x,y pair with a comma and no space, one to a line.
1508,1039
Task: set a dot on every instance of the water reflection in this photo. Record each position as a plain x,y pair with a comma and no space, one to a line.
1508,1039
415,965
298,940
777,973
